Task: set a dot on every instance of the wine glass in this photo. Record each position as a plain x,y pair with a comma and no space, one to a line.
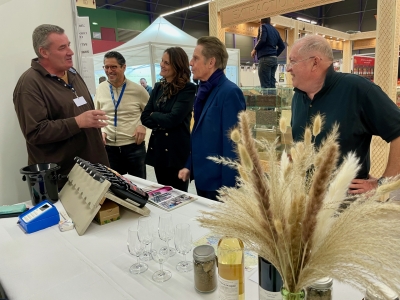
166,231
136,248
160,254
183,244
146,236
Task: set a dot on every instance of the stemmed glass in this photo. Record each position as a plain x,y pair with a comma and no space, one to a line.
183,244
166,231
160,254
146,236
136,248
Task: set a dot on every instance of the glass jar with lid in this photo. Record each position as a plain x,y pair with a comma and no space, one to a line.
387,292
320,290
204,267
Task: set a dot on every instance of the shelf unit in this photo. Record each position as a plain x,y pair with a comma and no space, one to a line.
265,108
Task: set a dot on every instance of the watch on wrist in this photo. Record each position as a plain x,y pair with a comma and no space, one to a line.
380,180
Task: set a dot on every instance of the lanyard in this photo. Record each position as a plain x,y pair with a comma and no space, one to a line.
68,86
72,89
118,102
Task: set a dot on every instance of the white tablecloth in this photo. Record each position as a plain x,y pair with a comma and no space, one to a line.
50,264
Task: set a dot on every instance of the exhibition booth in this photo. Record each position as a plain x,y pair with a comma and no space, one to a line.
94,262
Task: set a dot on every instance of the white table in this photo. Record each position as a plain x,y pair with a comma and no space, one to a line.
50,264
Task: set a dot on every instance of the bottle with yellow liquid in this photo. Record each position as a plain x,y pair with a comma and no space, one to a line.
230,269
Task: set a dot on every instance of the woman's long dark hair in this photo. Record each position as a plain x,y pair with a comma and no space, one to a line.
179,62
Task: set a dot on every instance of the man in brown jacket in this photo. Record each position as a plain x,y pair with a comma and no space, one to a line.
54,107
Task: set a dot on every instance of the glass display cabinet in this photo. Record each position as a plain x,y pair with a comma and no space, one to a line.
265,108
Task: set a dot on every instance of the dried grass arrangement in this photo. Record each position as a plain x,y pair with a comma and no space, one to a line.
293,216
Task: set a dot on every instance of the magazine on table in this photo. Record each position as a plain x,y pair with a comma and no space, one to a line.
168,198
165,197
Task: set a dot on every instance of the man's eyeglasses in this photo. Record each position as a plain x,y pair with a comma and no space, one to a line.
292,63
112,68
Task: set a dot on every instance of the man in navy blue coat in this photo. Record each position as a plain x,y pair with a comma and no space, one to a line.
269,46
216,109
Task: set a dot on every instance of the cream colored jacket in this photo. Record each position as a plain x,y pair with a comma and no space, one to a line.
130,108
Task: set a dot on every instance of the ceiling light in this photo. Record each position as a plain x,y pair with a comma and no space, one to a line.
306,20
94,23
274,25
185,8
302,19
323,35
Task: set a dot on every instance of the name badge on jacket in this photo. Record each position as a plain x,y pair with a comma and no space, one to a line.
80,101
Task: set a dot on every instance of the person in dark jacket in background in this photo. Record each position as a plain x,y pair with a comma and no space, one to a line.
268,47
168,114
143,83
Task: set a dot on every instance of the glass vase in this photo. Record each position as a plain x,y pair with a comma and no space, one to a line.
286,295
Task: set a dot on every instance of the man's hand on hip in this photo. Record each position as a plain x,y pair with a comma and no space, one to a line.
92,119
140,134
361,186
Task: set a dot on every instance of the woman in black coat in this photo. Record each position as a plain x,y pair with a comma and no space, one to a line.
168,114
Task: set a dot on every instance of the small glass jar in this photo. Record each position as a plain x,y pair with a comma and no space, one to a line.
389,294
204,267
320,290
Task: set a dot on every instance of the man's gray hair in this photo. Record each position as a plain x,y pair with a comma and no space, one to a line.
40,35
315,43
213,47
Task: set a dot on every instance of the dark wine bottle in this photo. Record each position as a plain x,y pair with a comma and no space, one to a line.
269,281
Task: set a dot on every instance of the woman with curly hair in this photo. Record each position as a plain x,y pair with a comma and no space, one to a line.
168,114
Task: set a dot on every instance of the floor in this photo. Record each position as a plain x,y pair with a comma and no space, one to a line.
152,177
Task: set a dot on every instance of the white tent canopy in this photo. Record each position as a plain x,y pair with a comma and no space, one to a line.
148,47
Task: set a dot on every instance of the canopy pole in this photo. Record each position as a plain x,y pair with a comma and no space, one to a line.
152,66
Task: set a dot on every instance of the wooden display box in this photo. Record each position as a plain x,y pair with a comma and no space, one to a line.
265,101
267,117
109,212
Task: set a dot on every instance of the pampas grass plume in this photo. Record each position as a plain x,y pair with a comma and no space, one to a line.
278,226
293,216
245,158
387,187
282,125
243,173
307,137
293,154
317,124
235,135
